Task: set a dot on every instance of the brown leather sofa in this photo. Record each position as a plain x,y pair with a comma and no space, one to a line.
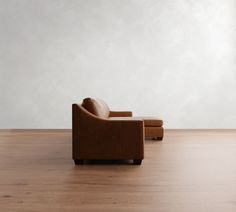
101,134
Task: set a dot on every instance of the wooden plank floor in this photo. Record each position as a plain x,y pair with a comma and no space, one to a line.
190,171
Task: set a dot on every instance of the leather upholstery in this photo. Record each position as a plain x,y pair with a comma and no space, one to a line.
148,121
97,107
120,114
151,121
154,132
153,125
103,139
101,134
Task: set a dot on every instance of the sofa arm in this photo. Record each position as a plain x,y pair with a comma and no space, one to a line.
113,140
121,139
96,138
120,114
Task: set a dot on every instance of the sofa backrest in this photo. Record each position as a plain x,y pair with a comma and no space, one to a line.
97,107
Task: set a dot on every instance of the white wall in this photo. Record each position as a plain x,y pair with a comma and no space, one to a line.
172,58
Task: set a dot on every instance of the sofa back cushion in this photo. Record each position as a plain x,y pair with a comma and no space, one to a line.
97,107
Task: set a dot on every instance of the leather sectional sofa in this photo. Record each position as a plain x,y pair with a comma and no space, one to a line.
101,134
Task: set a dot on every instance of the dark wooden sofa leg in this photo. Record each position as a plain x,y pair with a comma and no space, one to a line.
137,162
78,162
157,138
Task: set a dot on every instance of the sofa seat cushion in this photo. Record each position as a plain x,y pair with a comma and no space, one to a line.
148,121
97,107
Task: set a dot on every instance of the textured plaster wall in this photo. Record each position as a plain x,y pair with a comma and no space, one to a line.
172,58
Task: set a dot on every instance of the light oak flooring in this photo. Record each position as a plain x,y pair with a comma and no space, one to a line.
190,171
